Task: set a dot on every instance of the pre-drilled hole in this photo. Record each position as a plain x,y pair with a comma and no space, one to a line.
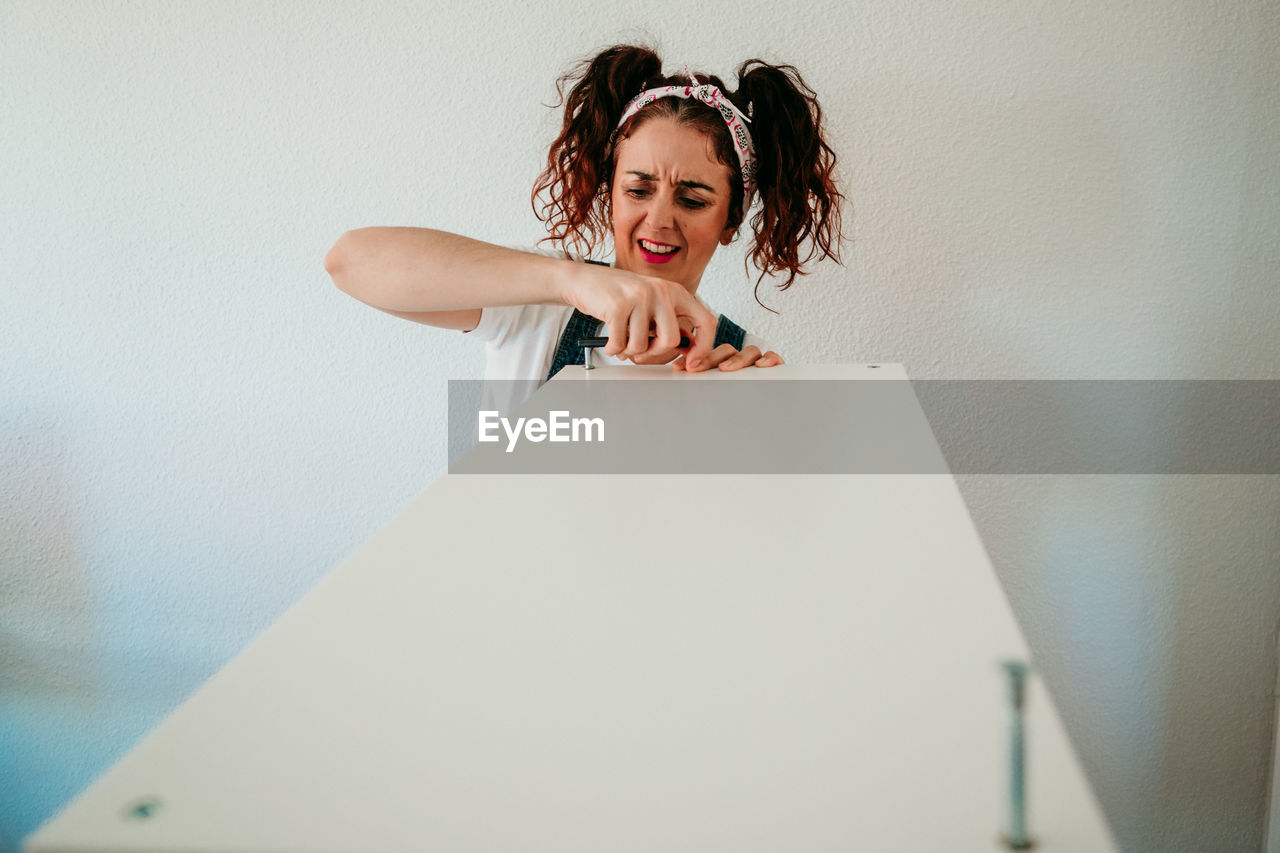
143,809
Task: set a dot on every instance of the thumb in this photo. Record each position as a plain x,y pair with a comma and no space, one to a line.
699,326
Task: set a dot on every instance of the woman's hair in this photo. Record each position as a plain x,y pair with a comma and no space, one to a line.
799,212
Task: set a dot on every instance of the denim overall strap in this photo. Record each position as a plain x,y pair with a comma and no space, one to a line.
580,326
729,332
567,351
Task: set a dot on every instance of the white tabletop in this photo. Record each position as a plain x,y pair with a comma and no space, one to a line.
621,663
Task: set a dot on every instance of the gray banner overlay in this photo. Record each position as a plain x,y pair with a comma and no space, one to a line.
686,426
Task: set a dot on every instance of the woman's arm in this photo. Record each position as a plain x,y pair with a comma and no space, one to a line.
438,278
444,279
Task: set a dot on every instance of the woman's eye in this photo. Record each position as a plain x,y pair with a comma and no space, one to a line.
637,193
694,204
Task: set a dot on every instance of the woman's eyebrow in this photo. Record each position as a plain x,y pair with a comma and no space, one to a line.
693,185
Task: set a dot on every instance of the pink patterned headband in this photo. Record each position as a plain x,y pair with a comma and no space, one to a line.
733,117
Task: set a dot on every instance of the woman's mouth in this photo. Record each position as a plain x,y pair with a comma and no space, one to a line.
657,253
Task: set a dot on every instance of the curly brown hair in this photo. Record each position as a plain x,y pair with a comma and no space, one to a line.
799,213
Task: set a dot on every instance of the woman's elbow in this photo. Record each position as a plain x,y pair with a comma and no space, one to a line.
335,260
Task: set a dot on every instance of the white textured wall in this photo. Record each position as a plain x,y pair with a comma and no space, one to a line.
195,425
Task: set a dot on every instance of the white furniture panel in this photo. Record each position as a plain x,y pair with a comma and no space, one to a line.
618,663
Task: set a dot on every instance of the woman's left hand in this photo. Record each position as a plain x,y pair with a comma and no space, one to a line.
728,359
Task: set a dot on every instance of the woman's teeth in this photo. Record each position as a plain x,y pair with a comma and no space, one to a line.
656,249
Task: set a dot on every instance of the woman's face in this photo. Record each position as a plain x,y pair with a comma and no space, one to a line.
670,201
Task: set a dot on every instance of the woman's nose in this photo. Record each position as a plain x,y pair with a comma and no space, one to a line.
661,213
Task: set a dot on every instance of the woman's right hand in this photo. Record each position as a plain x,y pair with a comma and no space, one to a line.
635,306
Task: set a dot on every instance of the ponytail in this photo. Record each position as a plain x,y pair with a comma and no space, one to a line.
575,177
799,202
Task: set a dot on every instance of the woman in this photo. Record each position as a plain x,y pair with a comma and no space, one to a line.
669,166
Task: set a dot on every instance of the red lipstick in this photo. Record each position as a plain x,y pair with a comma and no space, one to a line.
652,258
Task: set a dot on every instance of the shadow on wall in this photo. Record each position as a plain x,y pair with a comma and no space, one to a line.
45,666
1222,549
1226,594
1217,757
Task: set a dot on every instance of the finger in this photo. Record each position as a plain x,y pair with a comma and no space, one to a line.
616,323
666,328
746,358
769,359
678,364
698,354
703,332
718,356
653,356
636,331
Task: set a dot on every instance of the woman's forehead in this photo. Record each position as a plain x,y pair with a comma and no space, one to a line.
671,152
